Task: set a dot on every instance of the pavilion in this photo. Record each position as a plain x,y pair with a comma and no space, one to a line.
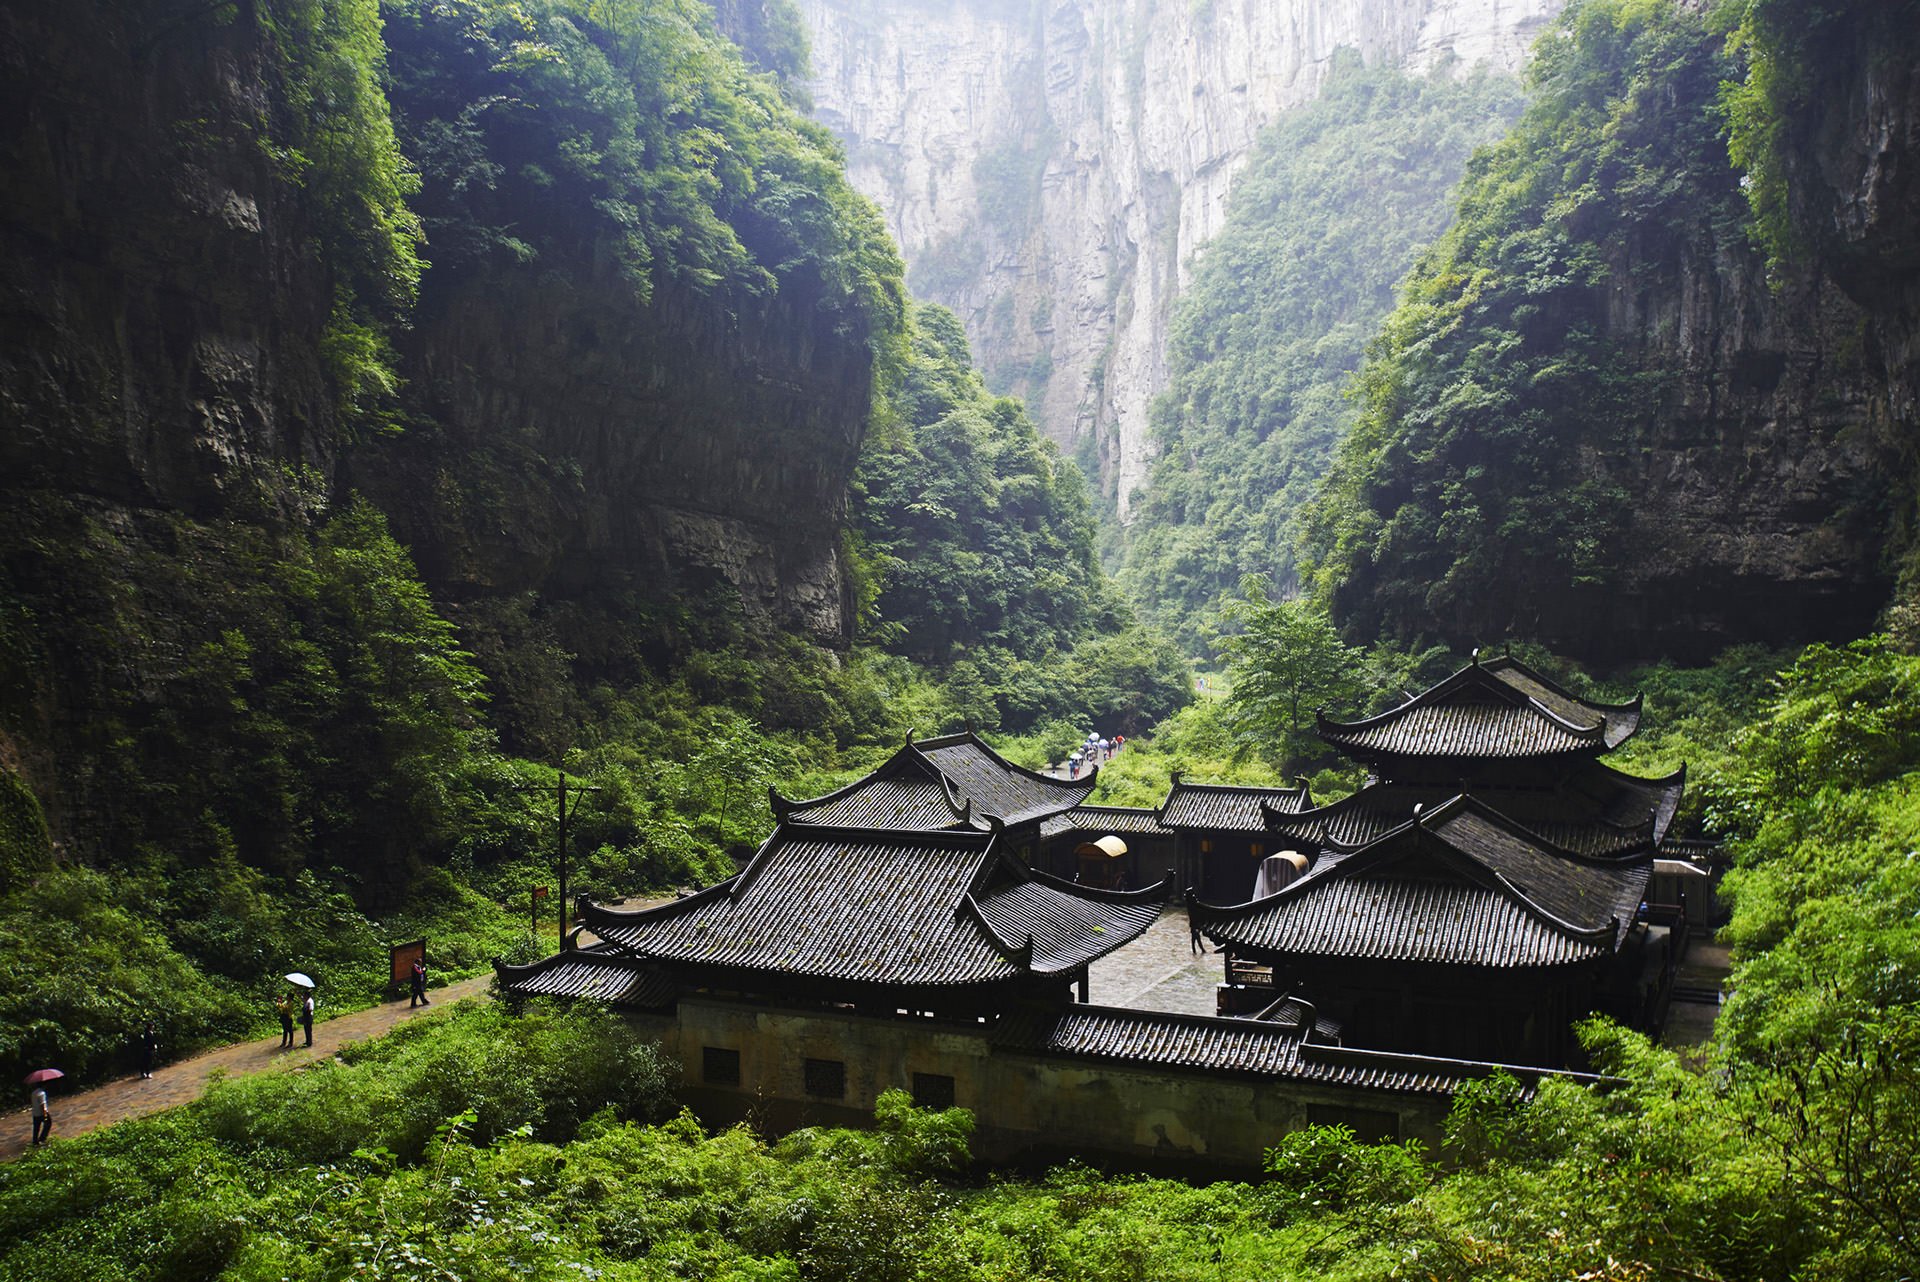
1482,891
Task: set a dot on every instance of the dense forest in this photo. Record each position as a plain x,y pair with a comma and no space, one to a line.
532,390
1337,199
1630,405
401,402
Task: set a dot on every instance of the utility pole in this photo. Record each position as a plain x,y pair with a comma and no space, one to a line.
563,812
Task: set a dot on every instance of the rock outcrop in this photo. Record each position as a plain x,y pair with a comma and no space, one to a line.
1049,166
159,346
577,444
173,442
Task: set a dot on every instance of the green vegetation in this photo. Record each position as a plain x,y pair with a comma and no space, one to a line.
633,130
334,137
1338,198
978,532
1799,57
1461,494
977,539
489,1145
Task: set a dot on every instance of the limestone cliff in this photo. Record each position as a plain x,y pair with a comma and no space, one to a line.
159,343
1049,166
587,440
1605,417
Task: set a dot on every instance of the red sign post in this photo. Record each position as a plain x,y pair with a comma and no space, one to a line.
404,956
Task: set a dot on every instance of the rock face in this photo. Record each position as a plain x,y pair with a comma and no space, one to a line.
159,342
1049,166
1759,493
584,447
573,463
162,332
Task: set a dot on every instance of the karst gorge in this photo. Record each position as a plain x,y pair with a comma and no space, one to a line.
968,638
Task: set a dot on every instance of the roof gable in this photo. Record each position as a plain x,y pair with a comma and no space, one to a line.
1595,812
998,787
1226,807
882,906
1499,710
1459,884
952,782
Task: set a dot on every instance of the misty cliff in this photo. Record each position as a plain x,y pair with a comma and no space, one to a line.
1049,168
1616,411
590,314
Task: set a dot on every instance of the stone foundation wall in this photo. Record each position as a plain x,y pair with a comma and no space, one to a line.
1027,1106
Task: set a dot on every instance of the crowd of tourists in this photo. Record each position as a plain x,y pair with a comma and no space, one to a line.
1092,752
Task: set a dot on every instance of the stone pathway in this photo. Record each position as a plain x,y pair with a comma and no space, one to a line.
1159,971
184,1081
1703,970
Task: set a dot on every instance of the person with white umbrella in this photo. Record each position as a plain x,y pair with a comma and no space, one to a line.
306,1004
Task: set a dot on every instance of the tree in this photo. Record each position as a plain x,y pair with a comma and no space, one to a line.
1286,661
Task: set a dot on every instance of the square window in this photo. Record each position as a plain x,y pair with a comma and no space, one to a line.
826,1078
933,1090
719,1066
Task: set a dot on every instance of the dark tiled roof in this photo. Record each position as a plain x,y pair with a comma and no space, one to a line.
1225,807
588,973
881,906
1105,819
1586,894
1619,720
955,782
1418,921
1597,812
887,803
1498,710
1067,929
998,787
1461,886
1259,1047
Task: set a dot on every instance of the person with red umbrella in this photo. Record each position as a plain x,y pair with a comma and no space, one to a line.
42,1114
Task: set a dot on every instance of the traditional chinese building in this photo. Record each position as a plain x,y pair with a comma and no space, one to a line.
917,949
844,961
1483,891
1223,832
953,782
1079,845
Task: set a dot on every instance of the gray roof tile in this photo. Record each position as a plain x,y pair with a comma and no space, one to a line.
955,782
1461,886
879,906
1099,820
1227,807
1243,1046
1497,710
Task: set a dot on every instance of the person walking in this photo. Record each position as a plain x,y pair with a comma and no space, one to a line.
149,1048
42,1115
306,1015
284,1008
417,980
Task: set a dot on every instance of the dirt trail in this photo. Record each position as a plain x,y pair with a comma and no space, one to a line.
184,1081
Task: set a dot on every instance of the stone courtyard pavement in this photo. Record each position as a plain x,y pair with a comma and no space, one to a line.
1159,971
